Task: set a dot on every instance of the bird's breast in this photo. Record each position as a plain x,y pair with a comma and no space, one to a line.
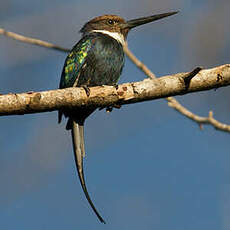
104,62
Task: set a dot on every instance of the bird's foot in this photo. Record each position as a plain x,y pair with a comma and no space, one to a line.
109,109
115,86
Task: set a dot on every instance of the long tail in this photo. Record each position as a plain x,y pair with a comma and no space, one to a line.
77,131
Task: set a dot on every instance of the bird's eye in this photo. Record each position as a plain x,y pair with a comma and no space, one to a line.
110,22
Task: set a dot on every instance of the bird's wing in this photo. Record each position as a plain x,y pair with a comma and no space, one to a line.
74,63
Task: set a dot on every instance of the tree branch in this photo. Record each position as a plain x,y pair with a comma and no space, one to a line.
33,41
103,96
172,102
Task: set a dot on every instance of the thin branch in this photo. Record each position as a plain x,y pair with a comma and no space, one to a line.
138,63
200,120
172,102
33,41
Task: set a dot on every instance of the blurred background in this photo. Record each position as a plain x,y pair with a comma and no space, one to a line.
147,166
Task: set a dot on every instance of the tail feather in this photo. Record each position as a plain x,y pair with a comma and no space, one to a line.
79,152
82,143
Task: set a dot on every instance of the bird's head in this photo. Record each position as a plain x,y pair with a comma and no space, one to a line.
115,25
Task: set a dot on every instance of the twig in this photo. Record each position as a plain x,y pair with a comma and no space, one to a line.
172,102
33,41
138,63
200,120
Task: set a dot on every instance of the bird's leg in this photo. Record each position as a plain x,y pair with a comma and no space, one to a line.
110,108
117,106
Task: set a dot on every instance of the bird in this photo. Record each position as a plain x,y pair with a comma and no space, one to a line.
96,60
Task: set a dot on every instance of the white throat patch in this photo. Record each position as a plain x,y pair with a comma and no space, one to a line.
117,36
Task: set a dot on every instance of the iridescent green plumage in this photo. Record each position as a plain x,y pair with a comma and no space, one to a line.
74,62
95,60
73,66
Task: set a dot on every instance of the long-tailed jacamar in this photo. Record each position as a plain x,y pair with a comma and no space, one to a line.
97,59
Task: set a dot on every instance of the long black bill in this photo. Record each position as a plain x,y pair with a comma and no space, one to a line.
140,21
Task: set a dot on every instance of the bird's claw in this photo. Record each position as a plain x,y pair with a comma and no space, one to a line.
115,86
110,108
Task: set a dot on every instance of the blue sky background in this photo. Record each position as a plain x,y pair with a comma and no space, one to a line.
147,167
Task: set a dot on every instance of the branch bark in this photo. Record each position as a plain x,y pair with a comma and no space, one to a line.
103,96
172,102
